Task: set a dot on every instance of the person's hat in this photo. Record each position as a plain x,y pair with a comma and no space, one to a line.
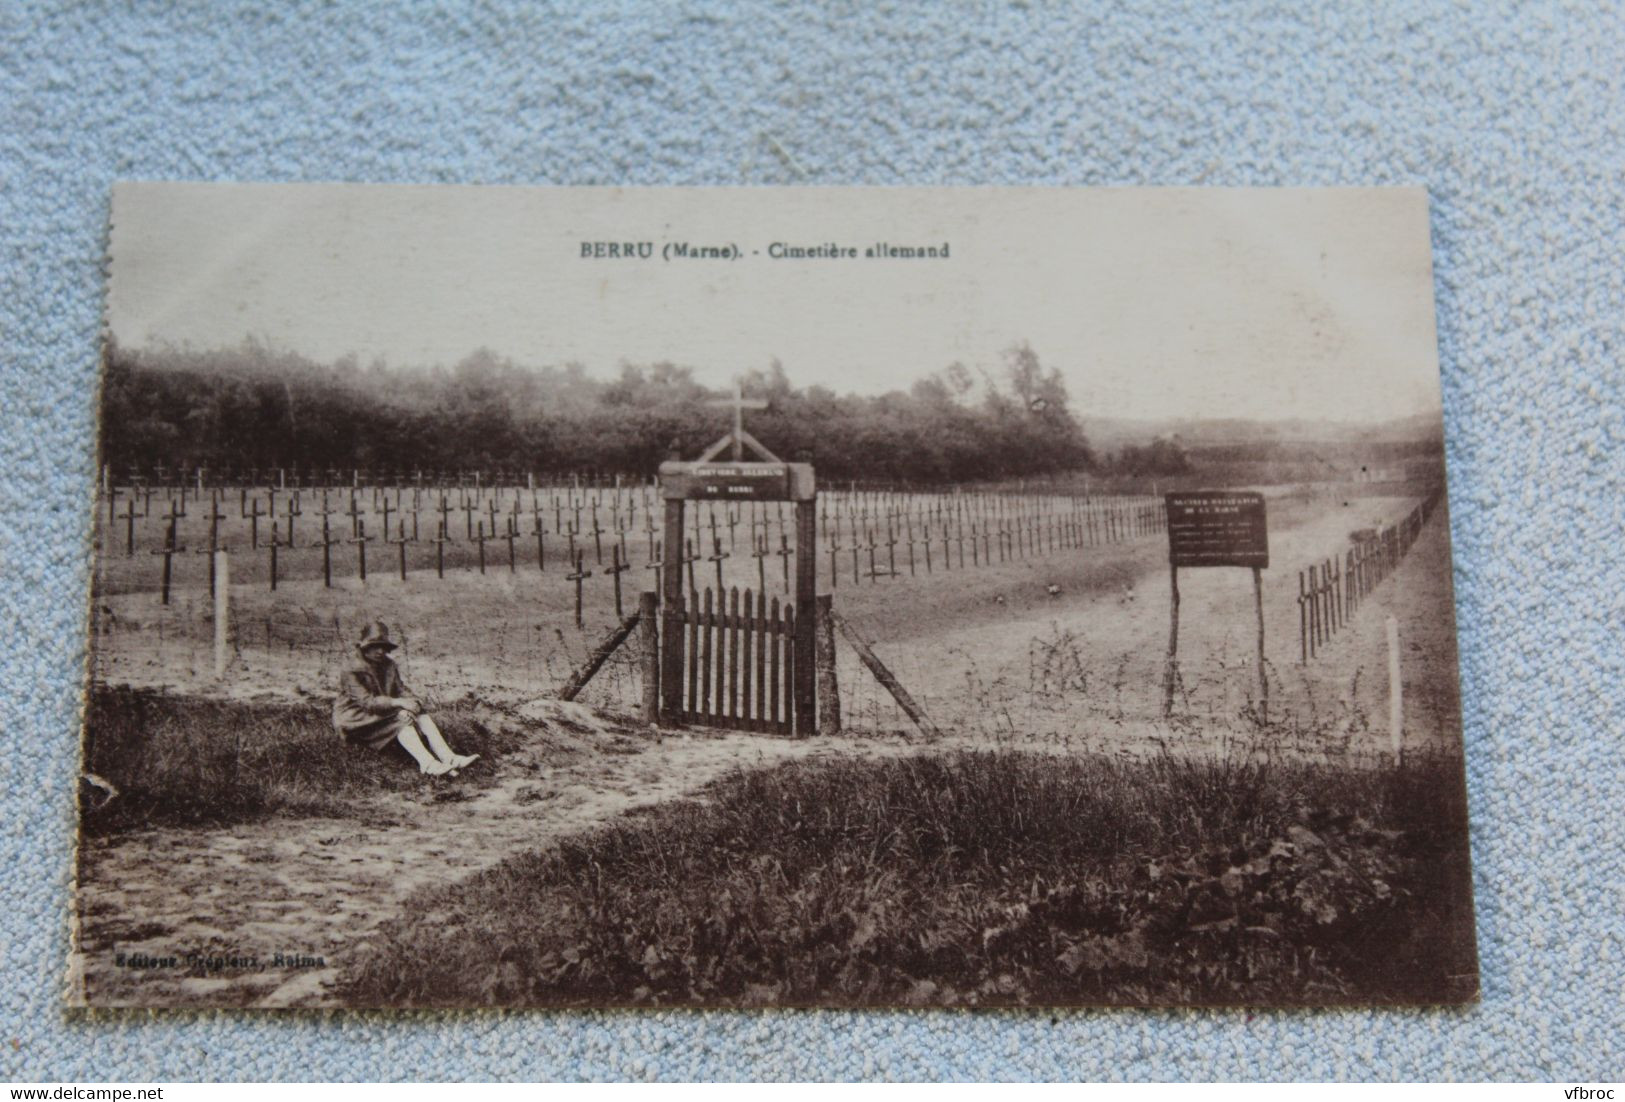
375,634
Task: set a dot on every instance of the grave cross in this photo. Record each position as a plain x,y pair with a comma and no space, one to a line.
440,541
784,554
273,545
577,578
361,539
716,556
129,516
400,541
615,572
215,516
655,564
760,555
169,549
480,537
689,559
327,543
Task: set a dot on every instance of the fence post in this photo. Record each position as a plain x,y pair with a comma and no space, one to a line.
829,694
1263,675
649,637
671,672
1171,673
1396,707
222,608
887,680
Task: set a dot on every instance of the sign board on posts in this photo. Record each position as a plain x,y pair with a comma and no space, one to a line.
736,481
1217,528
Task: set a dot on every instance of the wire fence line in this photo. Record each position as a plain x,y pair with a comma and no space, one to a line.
1331,591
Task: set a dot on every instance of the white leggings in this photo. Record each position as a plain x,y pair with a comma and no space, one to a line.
436,749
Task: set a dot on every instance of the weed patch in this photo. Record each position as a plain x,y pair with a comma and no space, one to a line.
988,878
178,759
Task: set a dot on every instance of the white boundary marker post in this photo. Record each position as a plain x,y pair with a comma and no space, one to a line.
222,605
1396,707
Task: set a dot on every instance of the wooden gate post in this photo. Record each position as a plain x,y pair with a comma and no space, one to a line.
806,616
829,693
671,623
649,638
1396,691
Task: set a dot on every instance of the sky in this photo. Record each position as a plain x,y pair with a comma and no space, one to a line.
1153,303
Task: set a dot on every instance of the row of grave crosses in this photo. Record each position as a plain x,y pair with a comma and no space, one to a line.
199,480
1009,541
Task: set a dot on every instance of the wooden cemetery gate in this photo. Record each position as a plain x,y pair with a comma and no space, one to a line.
729,659
737,664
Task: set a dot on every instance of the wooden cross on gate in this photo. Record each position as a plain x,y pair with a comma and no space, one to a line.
738,437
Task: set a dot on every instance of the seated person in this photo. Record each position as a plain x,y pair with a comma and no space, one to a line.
375,708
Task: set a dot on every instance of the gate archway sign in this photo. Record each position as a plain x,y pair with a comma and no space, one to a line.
1215,528
722,665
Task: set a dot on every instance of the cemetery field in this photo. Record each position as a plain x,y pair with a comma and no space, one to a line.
1024,646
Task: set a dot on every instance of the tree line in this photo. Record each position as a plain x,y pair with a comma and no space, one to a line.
255,406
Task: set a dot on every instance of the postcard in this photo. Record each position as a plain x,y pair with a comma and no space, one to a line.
665,597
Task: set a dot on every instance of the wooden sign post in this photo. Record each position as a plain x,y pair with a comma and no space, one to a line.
1215,528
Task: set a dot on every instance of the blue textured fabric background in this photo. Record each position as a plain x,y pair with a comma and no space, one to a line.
1514,119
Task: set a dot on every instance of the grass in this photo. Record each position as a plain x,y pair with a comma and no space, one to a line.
179,759
977,878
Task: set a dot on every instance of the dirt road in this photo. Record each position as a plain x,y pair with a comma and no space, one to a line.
277,907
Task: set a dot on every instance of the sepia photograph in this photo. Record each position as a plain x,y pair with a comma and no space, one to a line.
742,597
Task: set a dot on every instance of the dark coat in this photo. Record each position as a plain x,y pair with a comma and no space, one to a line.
364,710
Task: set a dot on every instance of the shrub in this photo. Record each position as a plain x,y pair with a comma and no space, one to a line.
970,879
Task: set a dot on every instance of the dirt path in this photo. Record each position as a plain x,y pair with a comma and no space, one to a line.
302,896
